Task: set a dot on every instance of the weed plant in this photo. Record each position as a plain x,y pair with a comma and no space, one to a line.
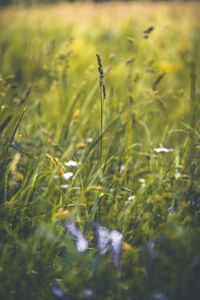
147,180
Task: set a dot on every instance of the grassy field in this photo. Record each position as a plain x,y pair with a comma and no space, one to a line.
136,153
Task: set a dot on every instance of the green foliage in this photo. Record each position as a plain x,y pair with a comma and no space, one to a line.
50,114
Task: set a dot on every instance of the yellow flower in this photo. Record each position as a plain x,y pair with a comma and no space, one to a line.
126,246
2,107
61,213
169,67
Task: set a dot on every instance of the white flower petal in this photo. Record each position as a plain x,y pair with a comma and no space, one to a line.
160,296
142,180
109,240
103,238
64,186
70,163
76,233
89,140
67,175
131,198
116,243
58,291
123,168
81,243
163,150
87,293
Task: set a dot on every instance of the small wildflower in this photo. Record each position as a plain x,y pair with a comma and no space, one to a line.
59,292
67,175
130,198
87,293
77,113
169,67
123,168
106,138
70,163
76,233
61,213
109,240
151,257
160,296
163,150
177,175
89,140
126,246
81,146
171,210
116,244
142,180
64,186
194,201
2,107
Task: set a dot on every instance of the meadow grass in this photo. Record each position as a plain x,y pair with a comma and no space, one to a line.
51,113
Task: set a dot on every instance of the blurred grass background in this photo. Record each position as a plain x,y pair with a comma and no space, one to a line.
50,114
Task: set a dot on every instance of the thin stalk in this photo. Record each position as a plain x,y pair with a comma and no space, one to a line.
102,97
101,142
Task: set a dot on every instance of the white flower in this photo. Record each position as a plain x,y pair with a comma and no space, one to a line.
81,243
87,293
67,175
109,240
70,163
177,175
160,296
64,186
76,233
123,168
130,198
163,150
142,180
89,140
171,209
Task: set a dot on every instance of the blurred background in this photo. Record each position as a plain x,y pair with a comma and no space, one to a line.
33,2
